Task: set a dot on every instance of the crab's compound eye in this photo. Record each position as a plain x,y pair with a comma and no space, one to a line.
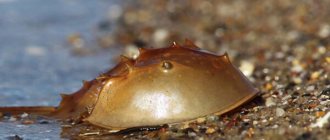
166,65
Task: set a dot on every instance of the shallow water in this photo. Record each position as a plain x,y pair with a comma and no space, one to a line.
35,61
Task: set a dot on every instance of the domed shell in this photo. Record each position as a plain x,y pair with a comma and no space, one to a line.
169,85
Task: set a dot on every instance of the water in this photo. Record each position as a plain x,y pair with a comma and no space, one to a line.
35,62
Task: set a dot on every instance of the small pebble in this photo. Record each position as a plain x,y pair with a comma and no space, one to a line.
131,51
210,130
160,35
192,134
310,88
315,75
324,31
184,126
292,35
12,119
246,120
279,112
247,68
201,120
297,67
24,115
297,80
324,102
319,114
286,97
255,109
212,118
279,55
268,86
275,126
327,59
28,122
271,118
270,102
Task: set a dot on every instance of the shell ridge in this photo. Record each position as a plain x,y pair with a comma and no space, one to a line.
189,44
128,63
124,58
225,57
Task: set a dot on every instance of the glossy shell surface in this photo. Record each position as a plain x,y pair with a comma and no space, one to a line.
169,85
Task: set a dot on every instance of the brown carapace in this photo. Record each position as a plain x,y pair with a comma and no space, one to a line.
162,86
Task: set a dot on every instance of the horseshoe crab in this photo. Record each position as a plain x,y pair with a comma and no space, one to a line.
162,86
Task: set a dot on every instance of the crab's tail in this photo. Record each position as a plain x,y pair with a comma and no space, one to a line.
38,110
